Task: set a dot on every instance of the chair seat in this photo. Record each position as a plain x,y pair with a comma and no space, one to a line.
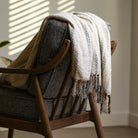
19,104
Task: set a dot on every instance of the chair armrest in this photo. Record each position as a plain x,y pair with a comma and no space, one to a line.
52,64
61,54
113,46
16,71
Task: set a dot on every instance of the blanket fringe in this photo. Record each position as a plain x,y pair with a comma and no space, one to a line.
83,88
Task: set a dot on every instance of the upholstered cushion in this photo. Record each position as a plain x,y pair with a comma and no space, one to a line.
53,37
19,104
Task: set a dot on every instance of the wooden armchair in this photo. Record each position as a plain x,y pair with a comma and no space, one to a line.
46,124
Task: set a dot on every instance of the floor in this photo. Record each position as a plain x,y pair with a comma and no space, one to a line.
110,132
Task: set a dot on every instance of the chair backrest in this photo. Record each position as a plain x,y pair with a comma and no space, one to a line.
53,37
56,83
51,82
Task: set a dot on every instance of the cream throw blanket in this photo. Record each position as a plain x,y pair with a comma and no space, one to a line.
91,56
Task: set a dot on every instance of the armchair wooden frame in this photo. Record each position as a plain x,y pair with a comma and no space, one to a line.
46,125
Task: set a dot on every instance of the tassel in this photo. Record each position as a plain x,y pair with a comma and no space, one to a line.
94,83
109,104
74,89
94,96
80,88
97,83
90,84
105,105
83,88
99,95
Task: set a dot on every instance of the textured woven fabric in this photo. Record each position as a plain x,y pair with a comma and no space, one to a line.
19,104
52,40
91,56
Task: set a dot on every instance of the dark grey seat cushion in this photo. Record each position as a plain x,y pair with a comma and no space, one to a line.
19,104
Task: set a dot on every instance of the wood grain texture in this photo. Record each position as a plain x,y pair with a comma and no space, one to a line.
10,133
42,108
21,125
67,121
96,117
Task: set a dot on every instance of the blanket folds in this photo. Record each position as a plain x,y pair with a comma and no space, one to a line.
91,57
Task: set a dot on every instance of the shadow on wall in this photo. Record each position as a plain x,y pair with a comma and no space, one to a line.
25,18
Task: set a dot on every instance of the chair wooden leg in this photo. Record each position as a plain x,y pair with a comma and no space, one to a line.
42,109
96,117
10,133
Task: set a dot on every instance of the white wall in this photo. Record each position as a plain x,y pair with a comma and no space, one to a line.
133,120
118,13
3,26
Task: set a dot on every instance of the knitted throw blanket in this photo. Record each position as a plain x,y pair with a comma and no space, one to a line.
91,57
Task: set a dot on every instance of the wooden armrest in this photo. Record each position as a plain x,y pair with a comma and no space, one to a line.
113,46
15,70
52,64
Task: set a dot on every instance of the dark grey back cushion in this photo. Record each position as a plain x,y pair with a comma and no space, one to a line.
53,37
